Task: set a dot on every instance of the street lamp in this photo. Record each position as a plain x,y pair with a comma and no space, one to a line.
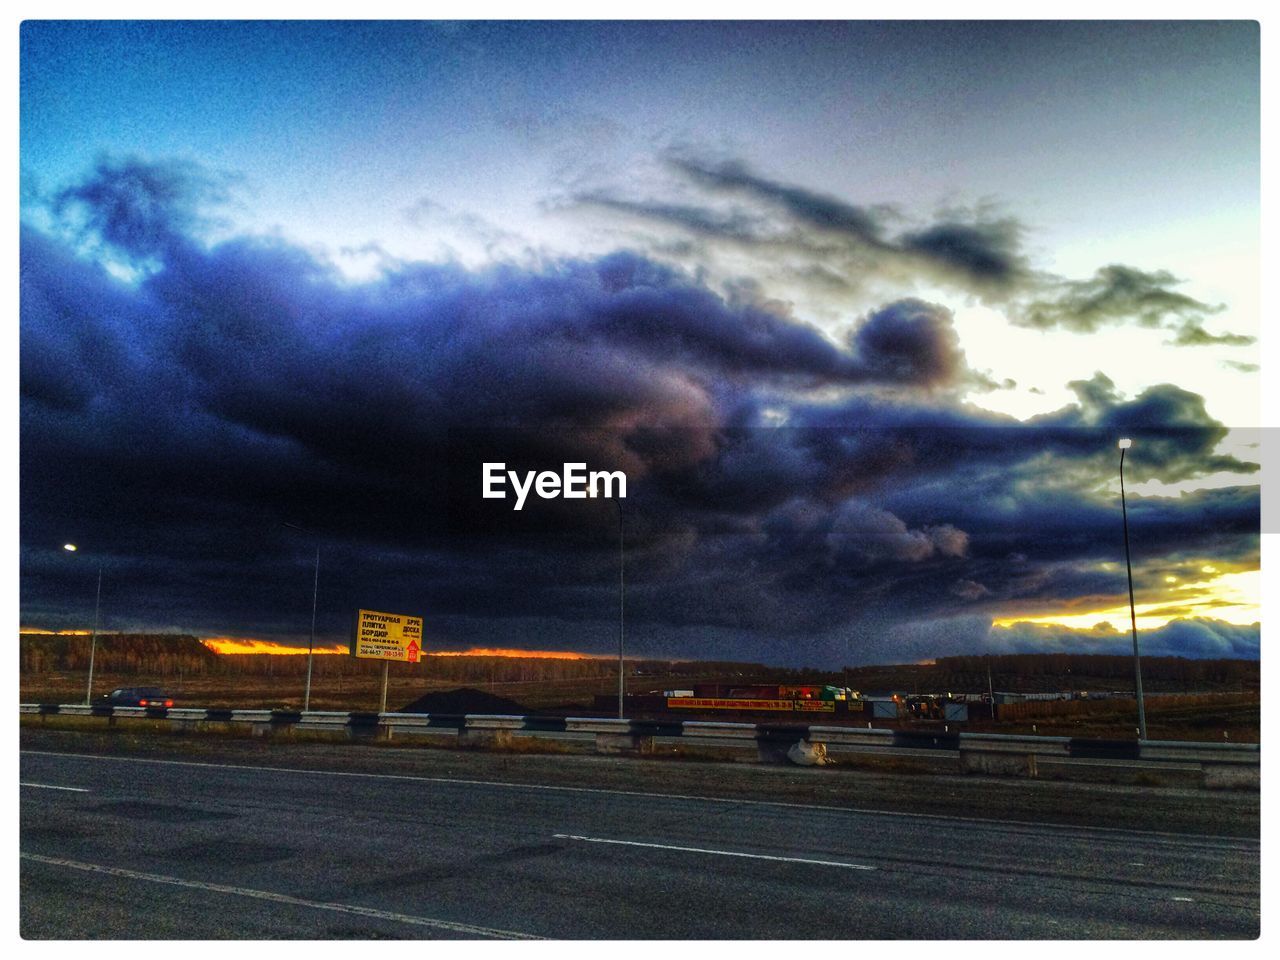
93,643
1125,444
622,606
315,594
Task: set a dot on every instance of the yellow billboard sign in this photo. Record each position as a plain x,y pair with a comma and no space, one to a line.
388,636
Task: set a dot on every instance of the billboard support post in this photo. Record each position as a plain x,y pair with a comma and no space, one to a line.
386,637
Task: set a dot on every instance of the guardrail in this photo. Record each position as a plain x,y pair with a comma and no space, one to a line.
1222,764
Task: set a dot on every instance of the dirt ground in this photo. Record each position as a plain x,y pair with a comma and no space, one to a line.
1238,722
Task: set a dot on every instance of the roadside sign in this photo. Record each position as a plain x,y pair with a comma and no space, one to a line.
388,636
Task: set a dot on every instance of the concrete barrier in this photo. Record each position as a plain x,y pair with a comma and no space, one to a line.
1000,763
720,730
1208,752
615,736
483,730
852,736
1223,765
1006,755
630,743
1230,776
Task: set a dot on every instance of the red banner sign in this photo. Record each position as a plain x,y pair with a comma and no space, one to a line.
747,703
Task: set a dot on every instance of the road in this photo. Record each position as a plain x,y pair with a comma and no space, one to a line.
122,846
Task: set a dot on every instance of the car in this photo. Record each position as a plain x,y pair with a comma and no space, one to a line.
137,697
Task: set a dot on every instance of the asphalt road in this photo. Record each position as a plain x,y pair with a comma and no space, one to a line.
135,847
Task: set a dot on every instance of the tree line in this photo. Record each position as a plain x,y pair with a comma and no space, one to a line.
177,655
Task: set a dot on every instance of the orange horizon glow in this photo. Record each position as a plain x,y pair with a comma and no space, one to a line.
252,645
509,652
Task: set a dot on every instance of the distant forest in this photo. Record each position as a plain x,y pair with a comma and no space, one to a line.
1046,672
174,655
177,655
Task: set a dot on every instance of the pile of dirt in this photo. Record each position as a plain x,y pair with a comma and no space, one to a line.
464,700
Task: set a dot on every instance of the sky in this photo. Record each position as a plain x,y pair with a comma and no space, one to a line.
860,308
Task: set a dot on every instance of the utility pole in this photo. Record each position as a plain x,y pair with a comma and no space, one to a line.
311,646
1125,444
315,595
622,613
93,643
991,693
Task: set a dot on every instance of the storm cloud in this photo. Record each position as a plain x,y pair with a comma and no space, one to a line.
1119,294
791,496
834,243
839,248
1195,637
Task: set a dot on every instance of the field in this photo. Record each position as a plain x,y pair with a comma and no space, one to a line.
1187,699
1226,716
360,692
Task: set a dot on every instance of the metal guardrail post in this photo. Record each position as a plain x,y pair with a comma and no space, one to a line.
1224,764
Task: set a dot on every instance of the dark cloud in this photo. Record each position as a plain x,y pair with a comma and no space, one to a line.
983,253
141,207
1118,294
792,498
842,249
1177,438
838,245
1192,334
910,342
808,208
1198,638
1242,367
736,224
969,590
977,252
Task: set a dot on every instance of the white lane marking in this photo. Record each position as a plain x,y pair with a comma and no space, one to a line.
1175,839
718,853
50,786
1182,899
448,925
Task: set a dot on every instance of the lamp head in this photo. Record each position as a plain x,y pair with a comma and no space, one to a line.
69,547
1125,443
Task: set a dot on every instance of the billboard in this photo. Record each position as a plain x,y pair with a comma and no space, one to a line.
387,636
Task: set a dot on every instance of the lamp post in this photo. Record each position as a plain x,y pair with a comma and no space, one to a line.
315,594
622,607
93,642
1125,444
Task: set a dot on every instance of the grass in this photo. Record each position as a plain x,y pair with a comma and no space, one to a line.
207,739
1237,716
287,692
1233,717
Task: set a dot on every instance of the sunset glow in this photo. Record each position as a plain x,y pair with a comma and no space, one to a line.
251,645
503,652
1232,597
